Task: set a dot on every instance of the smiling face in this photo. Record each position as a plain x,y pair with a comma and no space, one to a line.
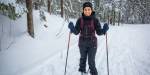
87,11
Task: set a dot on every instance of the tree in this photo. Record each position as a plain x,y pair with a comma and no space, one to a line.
49,6
30,18
62,12
113,13
119,12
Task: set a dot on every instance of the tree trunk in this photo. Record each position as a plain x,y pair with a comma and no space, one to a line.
104,17
36,6
108,17
49,6
30,18
62,8
119,16
114,17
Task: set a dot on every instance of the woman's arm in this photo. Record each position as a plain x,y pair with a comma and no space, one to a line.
98,28
77,27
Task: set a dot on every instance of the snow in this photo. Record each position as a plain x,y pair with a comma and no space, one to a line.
7,2
129,48
19,8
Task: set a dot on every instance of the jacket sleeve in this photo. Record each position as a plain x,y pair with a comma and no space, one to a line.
77,27
98,28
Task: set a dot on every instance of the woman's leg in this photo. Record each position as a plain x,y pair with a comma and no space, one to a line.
91,60
83,58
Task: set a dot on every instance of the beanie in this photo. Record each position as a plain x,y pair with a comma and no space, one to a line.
87,4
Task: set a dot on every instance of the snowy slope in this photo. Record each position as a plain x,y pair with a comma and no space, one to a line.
129,49
20,51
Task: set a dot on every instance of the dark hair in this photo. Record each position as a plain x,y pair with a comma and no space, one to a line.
87,4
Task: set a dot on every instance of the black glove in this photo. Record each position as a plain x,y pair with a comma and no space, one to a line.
105,28
71,27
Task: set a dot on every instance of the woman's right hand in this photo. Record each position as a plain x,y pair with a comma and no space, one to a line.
71,27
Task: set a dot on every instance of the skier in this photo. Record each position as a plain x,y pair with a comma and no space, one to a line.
87,25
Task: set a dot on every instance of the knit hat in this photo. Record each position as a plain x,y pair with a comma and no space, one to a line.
87,4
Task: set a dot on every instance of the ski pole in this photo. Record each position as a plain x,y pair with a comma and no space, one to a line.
107,55
67,53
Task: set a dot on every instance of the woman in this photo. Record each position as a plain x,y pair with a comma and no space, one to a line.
88,25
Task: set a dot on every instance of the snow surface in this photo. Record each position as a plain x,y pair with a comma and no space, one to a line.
129,48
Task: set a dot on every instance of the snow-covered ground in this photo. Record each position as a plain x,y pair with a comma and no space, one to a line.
129,48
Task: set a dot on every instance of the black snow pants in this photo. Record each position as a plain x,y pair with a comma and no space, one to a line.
88,48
